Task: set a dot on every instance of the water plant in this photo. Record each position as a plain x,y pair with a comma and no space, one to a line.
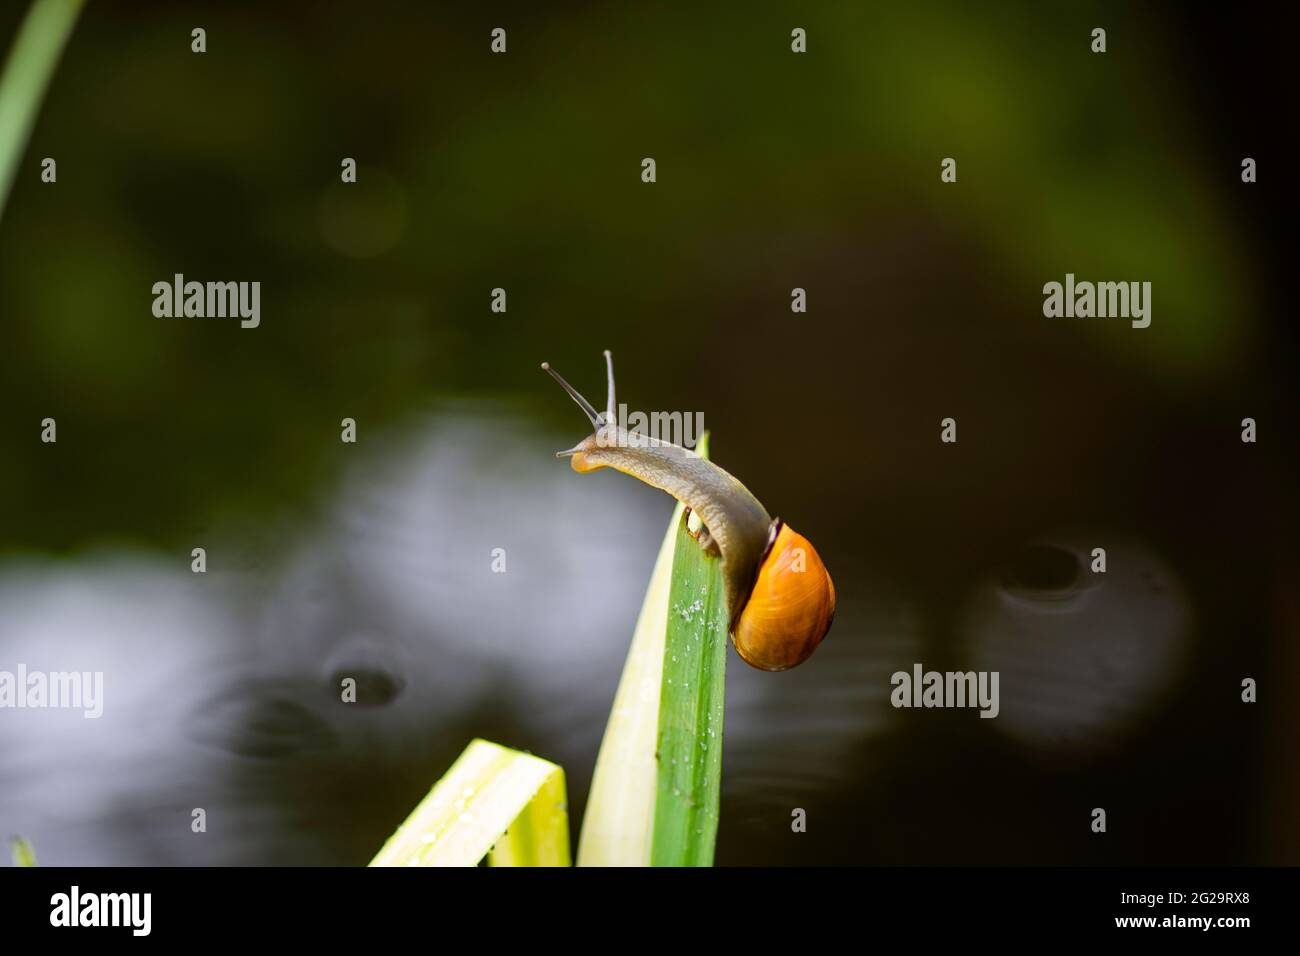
725,567
27,72
655,792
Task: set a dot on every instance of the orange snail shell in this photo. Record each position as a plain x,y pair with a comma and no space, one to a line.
789,610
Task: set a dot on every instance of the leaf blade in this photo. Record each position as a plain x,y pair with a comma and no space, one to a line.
23,854
691,710
491,797
654,798
618,827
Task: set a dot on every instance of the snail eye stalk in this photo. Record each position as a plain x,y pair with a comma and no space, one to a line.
585,405
609,402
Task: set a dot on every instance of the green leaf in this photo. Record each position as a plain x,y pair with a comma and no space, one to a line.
654,793
494,802
618,827
23,853
27,73
690,710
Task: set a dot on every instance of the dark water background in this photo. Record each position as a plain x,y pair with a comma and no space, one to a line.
775,171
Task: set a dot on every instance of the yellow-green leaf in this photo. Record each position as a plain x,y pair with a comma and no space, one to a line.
23,853
494,802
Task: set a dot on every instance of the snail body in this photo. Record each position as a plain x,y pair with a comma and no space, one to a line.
780,599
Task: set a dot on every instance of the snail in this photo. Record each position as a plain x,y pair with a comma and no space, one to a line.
779,597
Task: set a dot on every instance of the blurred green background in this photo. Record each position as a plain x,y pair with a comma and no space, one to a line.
522,172
775,170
